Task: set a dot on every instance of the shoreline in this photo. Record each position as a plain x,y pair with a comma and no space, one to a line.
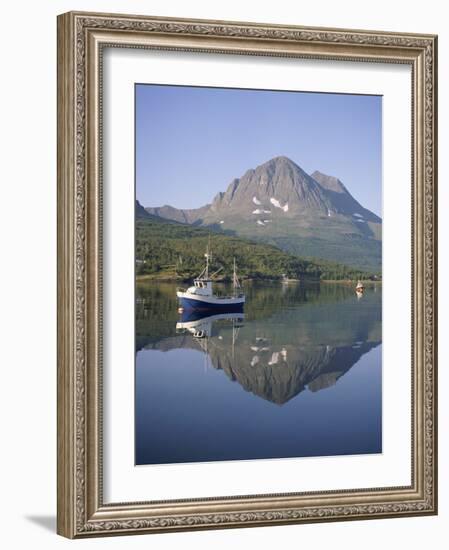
366,282
168,279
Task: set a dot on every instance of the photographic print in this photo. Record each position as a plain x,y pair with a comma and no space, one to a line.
258,249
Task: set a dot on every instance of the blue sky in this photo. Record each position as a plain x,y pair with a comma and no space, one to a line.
192,142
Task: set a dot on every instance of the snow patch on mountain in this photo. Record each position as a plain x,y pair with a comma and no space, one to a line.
277,204
256,200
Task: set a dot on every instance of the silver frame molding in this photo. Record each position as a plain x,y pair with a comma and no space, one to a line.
81,38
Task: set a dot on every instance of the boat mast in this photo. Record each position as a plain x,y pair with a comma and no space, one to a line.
206,274
235,280
233,334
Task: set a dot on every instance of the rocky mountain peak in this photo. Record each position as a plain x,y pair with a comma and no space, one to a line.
278,183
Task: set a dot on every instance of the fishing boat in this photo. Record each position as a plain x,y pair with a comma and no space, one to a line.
286,280
201,296
360,287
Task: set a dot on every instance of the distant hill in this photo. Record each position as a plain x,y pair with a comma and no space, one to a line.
179,215
168,250
280,204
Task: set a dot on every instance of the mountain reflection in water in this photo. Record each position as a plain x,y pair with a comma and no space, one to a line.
291,339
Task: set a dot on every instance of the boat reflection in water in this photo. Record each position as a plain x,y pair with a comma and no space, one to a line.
200,324
302,378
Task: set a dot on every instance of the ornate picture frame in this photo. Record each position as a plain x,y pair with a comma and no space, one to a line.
82,39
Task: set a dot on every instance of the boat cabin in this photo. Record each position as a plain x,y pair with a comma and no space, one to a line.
202,287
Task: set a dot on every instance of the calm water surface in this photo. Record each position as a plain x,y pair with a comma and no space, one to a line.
300,374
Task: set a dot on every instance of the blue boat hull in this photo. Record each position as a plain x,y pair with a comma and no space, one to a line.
189,303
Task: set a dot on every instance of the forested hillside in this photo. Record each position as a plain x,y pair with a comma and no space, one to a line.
170,250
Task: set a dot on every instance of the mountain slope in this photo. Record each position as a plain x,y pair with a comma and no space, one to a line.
280,204
343,202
